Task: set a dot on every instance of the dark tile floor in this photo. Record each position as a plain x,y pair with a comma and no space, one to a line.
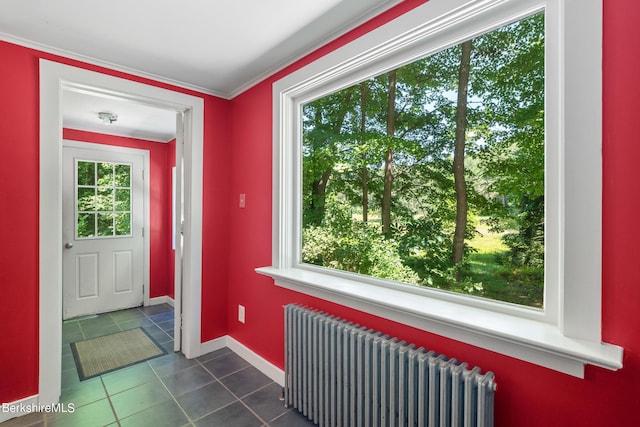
216,389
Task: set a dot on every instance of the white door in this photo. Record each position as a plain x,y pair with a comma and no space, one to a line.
102,230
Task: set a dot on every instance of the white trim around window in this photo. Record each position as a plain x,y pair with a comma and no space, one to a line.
564,336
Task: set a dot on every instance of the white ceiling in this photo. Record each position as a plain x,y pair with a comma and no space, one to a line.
212,46
135,120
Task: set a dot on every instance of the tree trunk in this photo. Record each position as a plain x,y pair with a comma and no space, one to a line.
364,173
318,196
388,159
318,188
458,157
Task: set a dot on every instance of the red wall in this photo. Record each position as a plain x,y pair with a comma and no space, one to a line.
19,184
215,212
237,155
527,395
161,282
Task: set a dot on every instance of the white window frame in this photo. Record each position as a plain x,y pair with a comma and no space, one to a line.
564,336
95,187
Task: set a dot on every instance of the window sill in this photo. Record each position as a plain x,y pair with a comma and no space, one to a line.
526,339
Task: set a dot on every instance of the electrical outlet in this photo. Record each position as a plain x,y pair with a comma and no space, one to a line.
242,200
241,313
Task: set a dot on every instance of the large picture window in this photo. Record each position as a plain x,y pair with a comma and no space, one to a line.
433,173
444,171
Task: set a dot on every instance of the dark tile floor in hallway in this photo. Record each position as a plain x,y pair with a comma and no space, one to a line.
216,389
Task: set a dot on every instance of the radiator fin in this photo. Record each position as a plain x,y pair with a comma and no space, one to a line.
342,374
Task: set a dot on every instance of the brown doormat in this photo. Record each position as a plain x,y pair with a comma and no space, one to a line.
97,356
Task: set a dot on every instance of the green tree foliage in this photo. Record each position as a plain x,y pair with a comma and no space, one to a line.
343,243
103,199
326,141
360,137
513,157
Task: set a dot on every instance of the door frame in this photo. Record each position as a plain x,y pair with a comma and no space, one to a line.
54,79
146,200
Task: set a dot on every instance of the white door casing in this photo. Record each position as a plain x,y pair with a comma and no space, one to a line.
102,226
178,220
55,78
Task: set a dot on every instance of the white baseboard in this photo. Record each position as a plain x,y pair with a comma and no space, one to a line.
12,409
264,366
213,345
257,361
162,300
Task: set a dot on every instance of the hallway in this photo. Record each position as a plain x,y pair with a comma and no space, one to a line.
216,389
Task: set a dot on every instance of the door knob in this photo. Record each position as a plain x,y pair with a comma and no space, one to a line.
68,245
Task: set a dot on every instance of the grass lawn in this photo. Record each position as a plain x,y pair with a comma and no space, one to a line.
501,282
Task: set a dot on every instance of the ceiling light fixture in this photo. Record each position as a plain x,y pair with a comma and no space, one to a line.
107,118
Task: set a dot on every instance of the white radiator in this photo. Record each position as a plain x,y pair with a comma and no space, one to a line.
341,374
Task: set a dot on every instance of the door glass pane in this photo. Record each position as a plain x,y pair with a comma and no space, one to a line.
86,173
105,174
123,200
86,199
123,175
86,224
105,224
123,224
105,199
